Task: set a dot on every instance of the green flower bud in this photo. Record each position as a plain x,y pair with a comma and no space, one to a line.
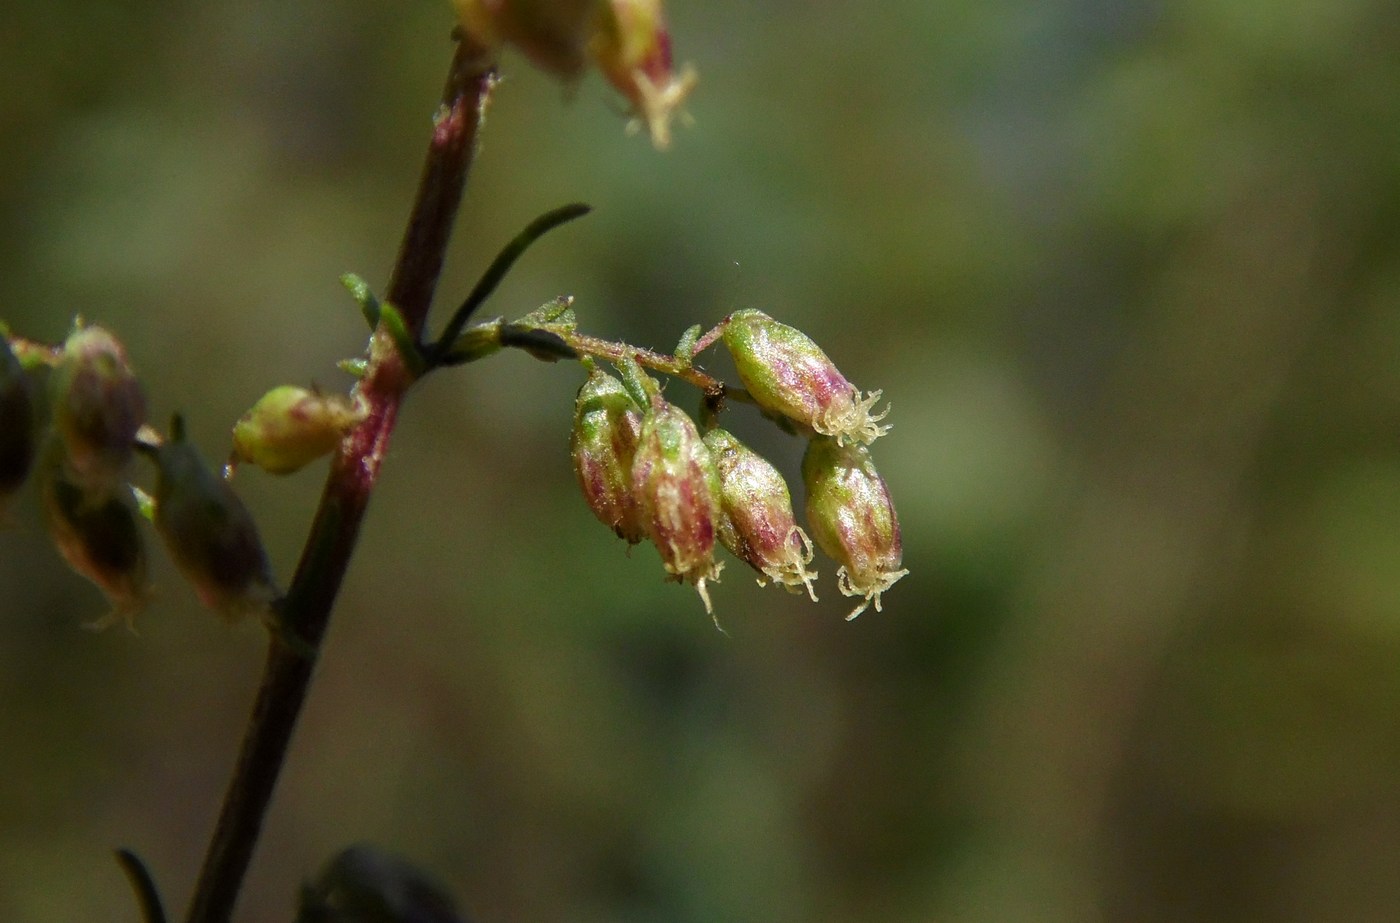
852,519
17,432
290,427
788,373
100,539
757,524
607,424
677,490
98,407
208,532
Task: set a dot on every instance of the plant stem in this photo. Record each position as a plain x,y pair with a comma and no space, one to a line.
306,609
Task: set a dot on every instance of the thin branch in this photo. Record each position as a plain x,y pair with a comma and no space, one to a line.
306,610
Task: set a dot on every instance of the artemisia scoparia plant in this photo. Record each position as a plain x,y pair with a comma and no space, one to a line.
73,418
646,469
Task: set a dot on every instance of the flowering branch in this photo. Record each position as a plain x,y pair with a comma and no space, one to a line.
305,610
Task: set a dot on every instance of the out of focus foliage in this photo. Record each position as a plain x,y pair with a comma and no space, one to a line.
1129,273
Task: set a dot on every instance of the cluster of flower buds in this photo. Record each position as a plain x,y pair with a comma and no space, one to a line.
627,39
646,472
98,424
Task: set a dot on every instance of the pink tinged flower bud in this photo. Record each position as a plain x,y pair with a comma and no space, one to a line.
633,50
290,427
98,407
209,533
17,418
757,524
852,519
677,490
101,540
786,372
607,425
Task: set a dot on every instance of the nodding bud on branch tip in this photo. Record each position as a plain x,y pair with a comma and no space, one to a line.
208,532
100,539
852,518
757,524
677,490
788,373
603,444
98,406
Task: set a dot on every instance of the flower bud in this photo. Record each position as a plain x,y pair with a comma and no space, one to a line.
553,34
757,524
208,532
607,424
99,539
852,519
98,407
786,372
633,50
677,491
17,432
290,427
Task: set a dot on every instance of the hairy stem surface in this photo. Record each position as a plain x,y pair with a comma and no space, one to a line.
306,609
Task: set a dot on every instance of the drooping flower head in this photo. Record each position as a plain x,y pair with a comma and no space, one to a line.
208,531
603,445
99,538
633,50
98,407
757,524
677,491
627,39
290,427
852,519
788,373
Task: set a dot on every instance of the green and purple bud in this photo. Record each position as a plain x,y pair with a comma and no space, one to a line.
17,422
290,427
208,531
787,373
852,519
677,491
99,538
98,407
757,524
603,444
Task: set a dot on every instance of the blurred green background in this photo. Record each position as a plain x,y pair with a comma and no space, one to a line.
1128,272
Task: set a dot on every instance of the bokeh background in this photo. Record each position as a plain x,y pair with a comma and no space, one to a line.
1129,273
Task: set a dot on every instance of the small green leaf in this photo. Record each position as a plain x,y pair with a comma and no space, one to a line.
354,367
364,296
685,349
640,386
556,313
393,323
